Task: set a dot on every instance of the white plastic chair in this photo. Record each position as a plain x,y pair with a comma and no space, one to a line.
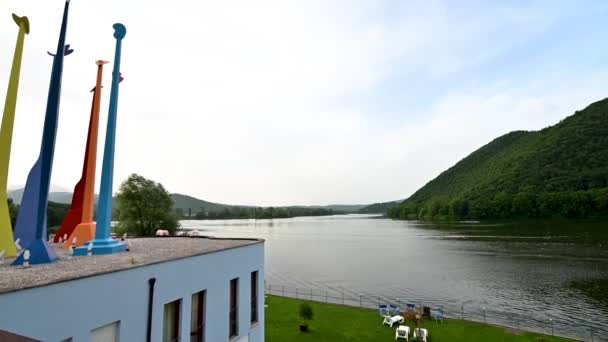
403,331
423,333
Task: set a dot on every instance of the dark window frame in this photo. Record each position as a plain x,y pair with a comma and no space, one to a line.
254,297
198,335
176,319
233,319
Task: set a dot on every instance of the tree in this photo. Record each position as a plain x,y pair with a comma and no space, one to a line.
13,210
306,314
144,206
55,212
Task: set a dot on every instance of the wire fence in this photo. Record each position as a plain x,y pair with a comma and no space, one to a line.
518,321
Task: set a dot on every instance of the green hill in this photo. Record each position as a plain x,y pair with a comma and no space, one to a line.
560,171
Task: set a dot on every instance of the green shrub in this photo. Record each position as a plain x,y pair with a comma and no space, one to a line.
306,312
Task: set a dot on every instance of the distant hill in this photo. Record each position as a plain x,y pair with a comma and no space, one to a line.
377,208
185,202
344,208
561,171
57,197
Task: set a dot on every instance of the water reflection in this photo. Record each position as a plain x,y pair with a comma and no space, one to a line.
520,268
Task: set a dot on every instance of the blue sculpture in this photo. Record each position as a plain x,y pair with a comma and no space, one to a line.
103,244
31,222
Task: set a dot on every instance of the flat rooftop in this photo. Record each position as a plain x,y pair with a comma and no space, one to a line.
143,251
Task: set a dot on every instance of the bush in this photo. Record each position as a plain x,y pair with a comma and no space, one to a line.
306,312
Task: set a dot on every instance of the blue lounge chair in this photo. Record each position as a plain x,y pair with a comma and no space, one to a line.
437,315
411,307
394,310
383,308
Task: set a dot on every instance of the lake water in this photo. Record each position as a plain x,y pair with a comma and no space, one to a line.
521,274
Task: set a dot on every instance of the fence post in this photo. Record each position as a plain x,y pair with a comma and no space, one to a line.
326,295
360,301
296,292
342,298
551,320
462,311
484,315
379,301
311,294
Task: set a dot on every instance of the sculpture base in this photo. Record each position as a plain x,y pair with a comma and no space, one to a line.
6,231
102,246
7,244
40,253
83,232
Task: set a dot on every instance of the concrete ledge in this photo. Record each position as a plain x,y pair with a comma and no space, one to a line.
143,251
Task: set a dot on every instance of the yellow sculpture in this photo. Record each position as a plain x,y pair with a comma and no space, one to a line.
6,136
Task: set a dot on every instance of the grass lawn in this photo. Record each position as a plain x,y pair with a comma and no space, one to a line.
335,323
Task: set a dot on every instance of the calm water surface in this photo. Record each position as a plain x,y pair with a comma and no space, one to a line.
522,272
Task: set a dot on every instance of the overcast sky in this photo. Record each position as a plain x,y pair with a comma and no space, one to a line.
303,102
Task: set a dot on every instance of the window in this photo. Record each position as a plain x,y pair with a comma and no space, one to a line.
254,297
105,333
197,317
171,321
234,307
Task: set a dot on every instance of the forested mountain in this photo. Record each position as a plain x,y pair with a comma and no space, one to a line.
561,170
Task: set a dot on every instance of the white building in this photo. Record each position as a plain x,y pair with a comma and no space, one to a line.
164,289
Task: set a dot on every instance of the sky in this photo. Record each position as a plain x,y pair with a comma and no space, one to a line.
302,102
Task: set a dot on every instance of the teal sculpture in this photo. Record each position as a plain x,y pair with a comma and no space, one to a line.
31,221
103,244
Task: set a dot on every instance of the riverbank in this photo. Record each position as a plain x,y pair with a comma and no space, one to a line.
520,275
337,323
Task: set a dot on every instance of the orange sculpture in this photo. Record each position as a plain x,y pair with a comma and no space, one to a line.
78,222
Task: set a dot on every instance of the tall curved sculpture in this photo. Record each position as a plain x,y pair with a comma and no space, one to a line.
103,244
78,222
6,137
31,222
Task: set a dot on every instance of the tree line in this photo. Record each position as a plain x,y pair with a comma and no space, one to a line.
54,213
143,206
259,213
566,204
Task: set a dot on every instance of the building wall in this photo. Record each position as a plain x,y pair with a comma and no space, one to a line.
72,309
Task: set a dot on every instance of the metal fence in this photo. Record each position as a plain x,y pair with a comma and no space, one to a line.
525,322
